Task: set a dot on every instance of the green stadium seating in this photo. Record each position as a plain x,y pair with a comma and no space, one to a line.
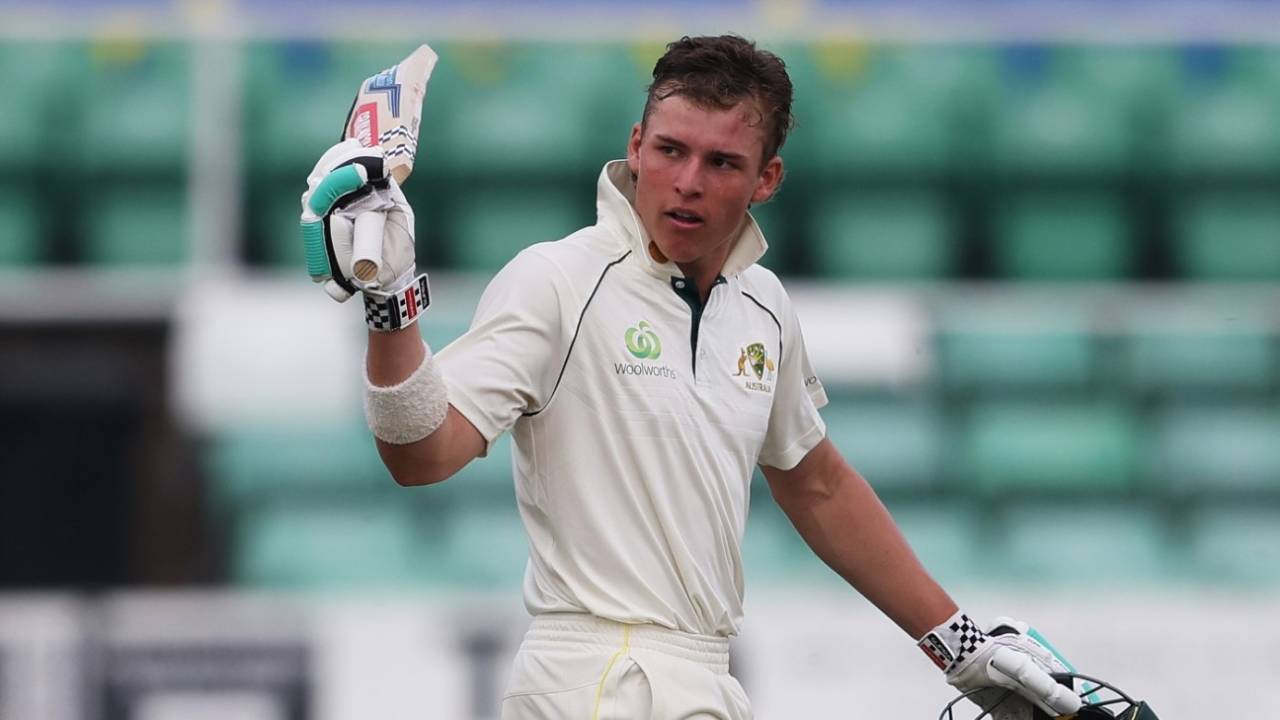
137,115
1217,448
299,543
22,240
1228,237
1062,237
882,235
1121,72
945,535
487,547
41,106
275,218
871,110
297,96
135,224
247,464
865,119
1236,544
1224,130
1001,350
1074,544
1032,447
897,445
1061,128
770,544
1215,361
532,110
487,227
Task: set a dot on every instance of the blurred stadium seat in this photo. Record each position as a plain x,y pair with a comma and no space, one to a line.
981,353
532,110
1072,544
22,238
1011,448
1230,543
1053,126
34,74
1223,122
140,223
882,235
304,544
1220,360
945,534
1228,236
488,227
897,444
1214,449
137,115
248,464
1062,237
871,110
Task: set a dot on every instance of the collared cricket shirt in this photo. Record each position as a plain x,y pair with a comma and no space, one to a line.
638,415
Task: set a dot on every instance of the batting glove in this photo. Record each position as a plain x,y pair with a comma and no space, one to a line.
1007,657
354,210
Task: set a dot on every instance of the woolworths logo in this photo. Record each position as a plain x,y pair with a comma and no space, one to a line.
643,342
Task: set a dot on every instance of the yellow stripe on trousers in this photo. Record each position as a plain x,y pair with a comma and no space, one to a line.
626,647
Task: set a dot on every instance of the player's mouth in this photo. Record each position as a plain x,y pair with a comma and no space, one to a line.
684,219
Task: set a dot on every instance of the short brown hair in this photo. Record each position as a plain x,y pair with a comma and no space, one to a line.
722,71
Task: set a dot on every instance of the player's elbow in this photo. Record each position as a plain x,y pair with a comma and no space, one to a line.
410,469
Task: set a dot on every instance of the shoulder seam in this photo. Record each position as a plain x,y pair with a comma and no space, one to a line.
576,330
761,305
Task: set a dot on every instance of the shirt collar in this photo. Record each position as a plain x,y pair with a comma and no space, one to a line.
615,207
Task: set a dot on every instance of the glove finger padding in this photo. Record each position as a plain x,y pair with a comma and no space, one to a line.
1019,671
398,254
348,178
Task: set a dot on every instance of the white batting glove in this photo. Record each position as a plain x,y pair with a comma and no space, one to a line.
352,210
1005,657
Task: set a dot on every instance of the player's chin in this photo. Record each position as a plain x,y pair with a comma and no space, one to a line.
680,250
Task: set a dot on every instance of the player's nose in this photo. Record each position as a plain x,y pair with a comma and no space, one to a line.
688,180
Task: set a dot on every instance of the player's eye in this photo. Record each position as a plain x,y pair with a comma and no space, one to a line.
668,150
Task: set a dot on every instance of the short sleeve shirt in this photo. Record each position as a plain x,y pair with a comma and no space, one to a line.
638,415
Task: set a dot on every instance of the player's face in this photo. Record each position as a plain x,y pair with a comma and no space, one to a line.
697,170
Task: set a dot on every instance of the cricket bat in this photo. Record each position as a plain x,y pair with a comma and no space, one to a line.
387,111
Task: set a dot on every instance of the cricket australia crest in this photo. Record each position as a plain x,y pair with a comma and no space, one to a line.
753,360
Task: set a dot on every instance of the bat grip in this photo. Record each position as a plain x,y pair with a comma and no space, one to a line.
366,250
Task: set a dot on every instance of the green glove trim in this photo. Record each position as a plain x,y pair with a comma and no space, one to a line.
313,244
334,185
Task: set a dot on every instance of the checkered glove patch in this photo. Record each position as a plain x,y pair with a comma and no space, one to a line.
952,642
391,311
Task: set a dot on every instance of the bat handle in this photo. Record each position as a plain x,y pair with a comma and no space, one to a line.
366,250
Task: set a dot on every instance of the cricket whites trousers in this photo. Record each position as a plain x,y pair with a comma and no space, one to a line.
581,667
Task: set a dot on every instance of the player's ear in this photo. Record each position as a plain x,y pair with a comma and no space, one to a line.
770,178
633,147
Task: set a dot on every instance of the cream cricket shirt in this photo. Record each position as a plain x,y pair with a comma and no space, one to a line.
638,415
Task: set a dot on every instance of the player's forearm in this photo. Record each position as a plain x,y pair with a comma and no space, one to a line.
392,359
393,356
843,521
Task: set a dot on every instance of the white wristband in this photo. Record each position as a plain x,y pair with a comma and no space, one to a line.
407,412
